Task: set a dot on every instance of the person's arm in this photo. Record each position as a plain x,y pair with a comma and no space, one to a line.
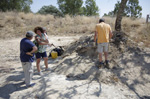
46,38
110,34
34,49
95,36
41,43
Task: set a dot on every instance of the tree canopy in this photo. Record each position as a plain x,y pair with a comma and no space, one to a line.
75,7
91,9
71,7
50,10
132,9
17,5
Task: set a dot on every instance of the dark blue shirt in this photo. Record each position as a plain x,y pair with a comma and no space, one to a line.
26,46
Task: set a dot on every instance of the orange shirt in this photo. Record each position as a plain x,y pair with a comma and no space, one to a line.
103,30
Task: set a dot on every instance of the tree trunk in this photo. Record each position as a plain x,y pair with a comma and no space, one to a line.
120,14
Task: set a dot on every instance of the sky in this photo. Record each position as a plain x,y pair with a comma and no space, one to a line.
105,6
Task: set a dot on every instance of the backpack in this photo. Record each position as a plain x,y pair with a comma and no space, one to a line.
59,50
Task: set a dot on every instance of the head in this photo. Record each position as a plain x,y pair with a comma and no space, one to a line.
101,20
44,29
38,30
29,35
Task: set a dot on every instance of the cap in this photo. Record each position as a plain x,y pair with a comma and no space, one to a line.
29,34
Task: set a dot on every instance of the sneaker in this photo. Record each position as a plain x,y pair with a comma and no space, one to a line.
40,73
47,69
107,63
31,85
101,64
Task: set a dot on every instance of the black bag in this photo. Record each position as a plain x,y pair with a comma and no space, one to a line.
59,50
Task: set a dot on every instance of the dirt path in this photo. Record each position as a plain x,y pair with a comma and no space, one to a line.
76,76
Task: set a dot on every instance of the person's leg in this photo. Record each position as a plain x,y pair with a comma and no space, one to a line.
31,72
46,62
100,51
100,57
38,64
106,48
28,72
106,56
106,45
24,70
44,55
38,59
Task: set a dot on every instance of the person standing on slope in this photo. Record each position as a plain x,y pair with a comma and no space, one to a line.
102,36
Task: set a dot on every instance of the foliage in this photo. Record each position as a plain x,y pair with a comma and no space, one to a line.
50,10
132,9
71,7
91,9
17,5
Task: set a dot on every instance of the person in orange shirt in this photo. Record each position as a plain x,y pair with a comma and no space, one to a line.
102,36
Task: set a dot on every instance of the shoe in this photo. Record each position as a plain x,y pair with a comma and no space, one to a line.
31,85
101,64
47,69
107,64
40,73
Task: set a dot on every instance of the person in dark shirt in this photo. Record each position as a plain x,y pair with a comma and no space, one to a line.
27,49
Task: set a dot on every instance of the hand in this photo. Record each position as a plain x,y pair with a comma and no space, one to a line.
28,53
111,40
38,38
50,45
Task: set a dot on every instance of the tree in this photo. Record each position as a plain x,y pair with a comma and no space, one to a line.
120,14
91,9
18,5
50,10
132,9
109,14
71,7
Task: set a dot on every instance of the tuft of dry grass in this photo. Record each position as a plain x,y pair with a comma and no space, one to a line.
143,35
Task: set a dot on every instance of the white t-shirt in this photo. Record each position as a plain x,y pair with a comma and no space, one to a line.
46,35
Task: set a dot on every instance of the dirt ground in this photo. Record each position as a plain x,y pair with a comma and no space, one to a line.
75,74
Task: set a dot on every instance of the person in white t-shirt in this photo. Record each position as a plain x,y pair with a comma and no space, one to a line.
45,32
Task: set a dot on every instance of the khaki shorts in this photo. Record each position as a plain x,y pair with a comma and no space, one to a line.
102,47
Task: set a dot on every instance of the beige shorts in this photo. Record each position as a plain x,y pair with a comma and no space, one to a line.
102,47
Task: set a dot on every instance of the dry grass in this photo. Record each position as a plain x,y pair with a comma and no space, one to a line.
143,35
136,29
14,24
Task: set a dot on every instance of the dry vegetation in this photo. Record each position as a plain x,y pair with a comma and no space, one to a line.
14,24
